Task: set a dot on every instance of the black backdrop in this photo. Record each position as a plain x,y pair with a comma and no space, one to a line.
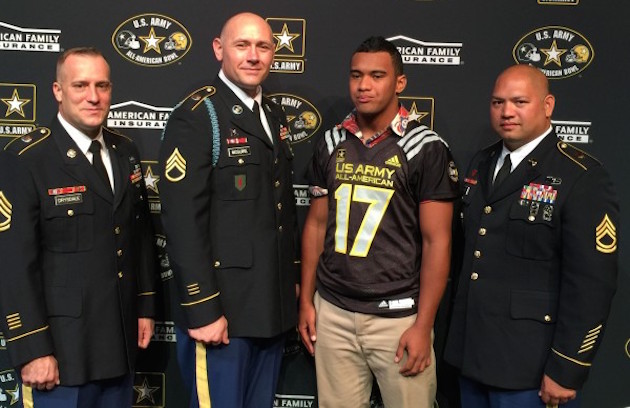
453,50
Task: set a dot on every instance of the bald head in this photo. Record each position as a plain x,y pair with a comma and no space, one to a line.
521,105
245,50
242,19
533,75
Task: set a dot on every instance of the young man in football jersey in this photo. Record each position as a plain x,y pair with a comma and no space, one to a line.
376,243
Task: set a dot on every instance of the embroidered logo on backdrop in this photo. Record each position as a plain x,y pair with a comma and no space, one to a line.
290,38
21,102
151,40
303,117
137,115
9,389
559,52
29,39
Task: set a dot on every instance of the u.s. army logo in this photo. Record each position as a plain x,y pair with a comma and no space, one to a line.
606,236
9,389
149,390
6,209
175,167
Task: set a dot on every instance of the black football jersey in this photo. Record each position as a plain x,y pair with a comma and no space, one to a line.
372,250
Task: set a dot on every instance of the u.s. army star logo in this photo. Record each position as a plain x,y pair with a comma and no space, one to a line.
606,236
175,169
6,209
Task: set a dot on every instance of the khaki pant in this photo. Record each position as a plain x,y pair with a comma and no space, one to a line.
351,347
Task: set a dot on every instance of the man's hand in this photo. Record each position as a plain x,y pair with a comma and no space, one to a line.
553,393
145,331
41,373
214,334
306,326
417,343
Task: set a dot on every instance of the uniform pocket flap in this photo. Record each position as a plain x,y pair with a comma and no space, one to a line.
534,305
233,254
63,301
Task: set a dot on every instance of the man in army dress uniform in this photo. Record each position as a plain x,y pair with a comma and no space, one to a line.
540,263
228,212
77,282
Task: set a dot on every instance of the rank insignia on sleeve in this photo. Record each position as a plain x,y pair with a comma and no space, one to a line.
240,181
14,321
6,209
590,339
175,169
193,289
606,236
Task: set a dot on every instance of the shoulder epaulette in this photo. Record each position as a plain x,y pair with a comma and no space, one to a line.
114,132
198,96
577,156
21,144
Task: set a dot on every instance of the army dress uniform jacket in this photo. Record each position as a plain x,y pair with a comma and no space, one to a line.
77,260
228,212
539,268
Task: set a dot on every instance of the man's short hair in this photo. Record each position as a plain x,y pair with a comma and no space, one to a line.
84,51
380,44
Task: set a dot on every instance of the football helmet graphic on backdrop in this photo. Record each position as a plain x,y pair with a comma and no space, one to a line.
528,53
127,40
580,54
306,120
176,41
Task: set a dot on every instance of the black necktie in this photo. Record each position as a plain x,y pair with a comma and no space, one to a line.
97,162
504,171
256,110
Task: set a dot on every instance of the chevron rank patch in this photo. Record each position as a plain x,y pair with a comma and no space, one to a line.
606,236
6,210
175,169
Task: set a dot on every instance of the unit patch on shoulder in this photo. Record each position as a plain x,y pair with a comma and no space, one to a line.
6,209
452,172
606,236
175,169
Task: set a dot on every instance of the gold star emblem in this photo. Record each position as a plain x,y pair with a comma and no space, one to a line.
152,42
151,180
553,54
414,114
15,104
145,391
285,39
14,394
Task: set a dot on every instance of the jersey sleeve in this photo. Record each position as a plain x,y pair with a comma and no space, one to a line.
433,174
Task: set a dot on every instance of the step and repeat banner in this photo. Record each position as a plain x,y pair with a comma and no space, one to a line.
453,50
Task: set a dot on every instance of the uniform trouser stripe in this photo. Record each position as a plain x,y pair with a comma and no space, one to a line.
201,376
27,396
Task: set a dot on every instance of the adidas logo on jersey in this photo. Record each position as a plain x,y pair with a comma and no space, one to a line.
393,161
383,304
